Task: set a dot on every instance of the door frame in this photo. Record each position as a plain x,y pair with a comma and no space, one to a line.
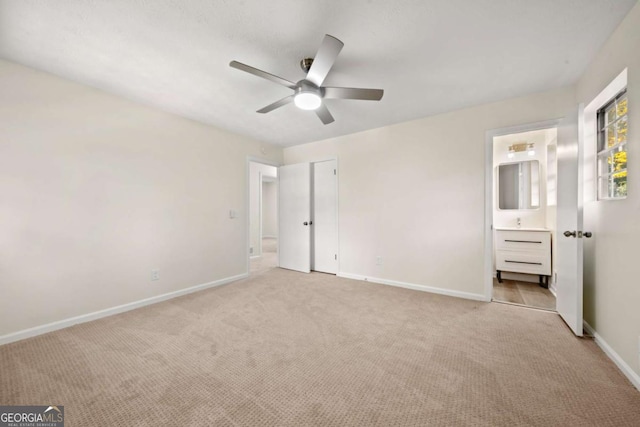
489,193
247,202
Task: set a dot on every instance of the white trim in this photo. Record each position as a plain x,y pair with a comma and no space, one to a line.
553,289
61,324
415,287
615,357
269,236
612,89
590,131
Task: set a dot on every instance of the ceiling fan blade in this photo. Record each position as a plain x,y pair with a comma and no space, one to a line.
324,59
353,93
284,101
251,70
324,114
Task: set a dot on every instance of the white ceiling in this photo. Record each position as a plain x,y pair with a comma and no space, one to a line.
430,56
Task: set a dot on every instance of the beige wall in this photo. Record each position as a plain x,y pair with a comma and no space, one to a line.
96,191
612,270
413,193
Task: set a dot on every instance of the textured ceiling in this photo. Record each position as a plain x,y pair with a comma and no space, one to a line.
430,56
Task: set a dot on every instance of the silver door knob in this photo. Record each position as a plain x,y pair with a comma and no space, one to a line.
569,233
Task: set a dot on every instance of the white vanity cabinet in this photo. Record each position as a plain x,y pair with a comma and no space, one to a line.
524,251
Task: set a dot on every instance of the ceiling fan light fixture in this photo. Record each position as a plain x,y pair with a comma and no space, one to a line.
309,92
307,100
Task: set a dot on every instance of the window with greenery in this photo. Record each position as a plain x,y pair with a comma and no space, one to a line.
612,148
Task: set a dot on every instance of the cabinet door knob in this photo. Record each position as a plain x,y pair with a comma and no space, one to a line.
305,223
569,233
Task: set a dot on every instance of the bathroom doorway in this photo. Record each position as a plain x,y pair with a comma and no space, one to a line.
524,217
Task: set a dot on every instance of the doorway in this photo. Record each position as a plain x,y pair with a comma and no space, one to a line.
521,211
528,250
524,217
263,217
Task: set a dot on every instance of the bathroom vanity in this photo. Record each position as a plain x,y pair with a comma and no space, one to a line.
524,250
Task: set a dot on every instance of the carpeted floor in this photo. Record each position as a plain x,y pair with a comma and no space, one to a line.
290,349
269,257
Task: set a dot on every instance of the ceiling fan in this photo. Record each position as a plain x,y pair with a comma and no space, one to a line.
309,92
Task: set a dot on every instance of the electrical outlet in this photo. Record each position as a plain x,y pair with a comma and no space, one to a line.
378,260
155,275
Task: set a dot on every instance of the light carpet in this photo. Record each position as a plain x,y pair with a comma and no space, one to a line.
289,349
269,258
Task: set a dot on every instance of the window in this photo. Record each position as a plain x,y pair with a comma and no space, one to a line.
612,148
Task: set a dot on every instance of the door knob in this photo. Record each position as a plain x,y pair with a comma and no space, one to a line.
587,234
569,233
305,223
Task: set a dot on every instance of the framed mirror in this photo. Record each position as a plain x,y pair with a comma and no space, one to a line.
519,185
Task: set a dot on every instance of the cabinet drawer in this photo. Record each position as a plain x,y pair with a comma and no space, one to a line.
524,262
523,240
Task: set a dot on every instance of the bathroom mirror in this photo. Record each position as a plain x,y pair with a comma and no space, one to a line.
519,185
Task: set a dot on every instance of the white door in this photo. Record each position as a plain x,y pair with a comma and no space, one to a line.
569,220
294,242
325,225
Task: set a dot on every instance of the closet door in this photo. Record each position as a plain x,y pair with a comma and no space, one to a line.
325,224
294,228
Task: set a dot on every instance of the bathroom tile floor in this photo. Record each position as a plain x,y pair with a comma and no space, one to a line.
523,293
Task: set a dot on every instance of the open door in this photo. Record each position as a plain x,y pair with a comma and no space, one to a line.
325,224
569,258
294,226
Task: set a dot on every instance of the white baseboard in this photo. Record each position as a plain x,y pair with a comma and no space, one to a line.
621,364
61,324
553,289
414,286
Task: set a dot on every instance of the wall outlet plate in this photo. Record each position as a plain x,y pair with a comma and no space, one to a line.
155,275
378,260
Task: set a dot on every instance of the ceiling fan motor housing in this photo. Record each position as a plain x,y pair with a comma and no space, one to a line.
305,64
